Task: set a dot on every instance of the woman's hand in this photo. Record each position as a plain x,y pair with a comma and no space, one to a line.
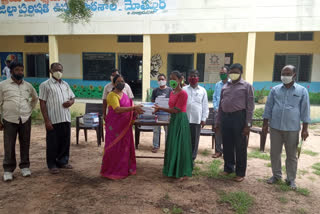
138,109
156,108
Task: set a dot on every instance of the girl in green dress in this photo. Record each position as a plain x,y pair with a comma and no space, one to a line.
178,155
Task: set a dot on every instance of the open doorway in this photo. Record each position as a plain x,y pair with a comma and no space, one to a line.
180,62
130,67
38,65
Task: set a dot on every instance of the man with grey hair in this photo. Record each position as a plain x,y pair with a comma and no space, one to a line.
287,105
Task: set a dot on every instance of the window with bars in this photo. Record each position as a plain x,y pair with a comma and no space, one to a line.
36,39
303,64
293,36
130,38
182,38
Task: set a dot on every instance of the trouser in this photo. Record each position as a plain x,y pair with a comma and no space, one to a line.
58,145
156,135
290,139
218,138
195,130
9,137
234,143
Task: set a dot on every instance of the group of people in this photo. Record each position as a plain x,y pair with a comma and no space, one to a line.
233,106
17,100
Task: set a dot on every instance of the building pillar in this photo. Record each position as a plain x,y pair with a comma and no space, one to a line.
146,63
251,48
53,50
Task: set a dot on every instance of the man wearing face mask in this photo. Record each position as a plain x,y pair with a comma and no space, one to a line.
287,105
197,109
109,87
17,99
216,100
164,91
56,97
234,118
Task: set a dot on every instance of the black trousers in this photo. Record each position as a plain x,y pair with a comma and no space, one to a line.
58,145
195,136
9,138
234,143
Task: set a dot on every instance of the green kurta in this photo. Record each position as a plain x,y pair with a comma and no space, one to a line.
178,152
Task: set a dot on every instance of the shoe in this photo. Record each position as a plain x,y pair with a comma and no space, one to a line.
7,176
273,180
25,172
238,179
154,150
224,173
54,170
292,184
66,166
217,155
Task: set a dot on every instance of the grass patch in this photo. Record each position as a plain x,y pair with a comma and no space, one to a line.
300,211
311,178
199,162
74,114
176,210
205,152
309,152
303,191
268,164
259,155
240,201
302,172
211,170
283,200
316,168
214,169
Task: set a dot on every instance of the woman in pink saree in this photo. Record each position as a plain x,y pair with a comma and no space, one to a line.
119,160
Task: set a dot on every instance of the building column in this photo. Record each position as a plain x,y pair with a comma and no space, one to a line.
53,50
251,48
146,63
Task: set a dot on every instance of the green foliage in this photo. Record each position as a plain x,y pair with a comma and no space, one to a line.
259,94
240,201
36,114
314,98
257,114
74,114
303,191
76,12
210,93
301,211
149,95
309,152
176,210
259,155
316,168
284,187
214,168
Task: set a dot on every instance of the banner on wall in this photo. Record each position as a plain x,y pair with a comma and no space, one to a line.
12,56
52,8
213,64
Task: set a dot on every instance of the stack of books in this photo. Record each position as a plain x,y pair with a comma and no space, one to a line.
162,102
148,115
91,119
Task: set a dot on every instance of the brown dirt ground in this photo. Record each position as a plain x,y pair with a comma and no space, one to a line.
82,190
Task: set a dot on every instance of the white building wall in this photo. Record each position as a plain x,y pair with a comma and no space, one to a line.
179,16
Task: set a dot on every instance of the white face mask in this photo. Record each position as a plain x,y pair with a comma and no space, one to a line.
234,77
162,83
286,79
57,75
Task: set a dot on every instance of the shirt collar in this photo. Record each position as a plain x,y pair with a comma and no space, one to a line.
189,86
11,81
294,85
55,81
241,81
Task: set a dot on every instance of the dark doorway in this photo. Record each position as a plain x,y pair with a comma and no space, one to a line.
38,65
130,67
180,62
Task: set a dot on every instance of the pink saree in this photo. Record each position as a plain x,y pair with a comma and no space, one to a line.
119,159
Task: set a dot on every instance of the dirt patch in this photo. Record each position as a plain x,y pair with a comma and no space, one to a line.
82,190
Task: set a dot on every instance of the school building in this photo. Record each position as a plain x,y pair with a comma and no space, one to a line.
143,39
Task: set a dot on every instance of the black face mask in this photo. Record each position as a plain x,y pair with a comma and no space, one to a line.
120,86
18,76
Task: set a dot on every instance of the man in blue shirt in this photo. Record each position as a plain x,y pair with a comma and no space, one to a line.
216,100
287,105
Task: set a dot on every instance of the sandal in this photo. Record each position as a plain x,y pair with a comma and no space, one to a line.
154,150
54,171
238,179
66,166
217,155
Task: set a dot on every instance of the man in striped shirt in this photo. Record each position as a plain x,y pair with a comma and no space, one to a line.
56,97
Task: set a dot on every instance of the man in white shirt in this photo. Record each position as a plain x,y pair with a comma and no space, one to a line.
6,70
108,88
197,109
17,99
56,97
